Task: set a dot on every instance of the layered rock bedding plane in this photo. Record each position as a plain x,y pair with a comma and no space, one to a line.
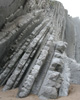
39,48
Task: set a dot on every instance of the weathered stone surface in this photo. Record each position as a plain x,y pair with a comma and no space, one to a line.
7,8
60,64
66,79
75,70
57,64
49,92
50,85
70,37
35,70
61,46
77,37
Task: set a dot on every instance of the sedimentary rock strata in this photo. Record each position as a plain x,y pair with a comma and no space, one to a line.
32,47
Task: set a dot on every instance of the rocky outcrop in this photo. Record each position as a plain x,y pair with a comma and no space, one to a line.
32,47
72,38
10,9
77,37
75,71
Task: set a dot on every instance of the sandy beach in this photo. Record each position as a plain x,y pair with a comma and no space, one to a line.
74,94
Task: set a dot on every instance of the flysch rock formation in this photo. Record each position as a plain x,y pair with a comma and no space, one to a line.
34,35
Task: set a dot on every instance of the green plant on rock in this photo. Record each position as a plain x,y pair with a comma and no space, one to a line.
51,3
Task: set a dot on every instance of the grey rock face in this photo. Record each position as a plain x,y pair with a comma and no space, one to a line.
9,8
50,92
57,64
66,79
61,65
75,70
77,37
51,85
61,46
70,37
33,56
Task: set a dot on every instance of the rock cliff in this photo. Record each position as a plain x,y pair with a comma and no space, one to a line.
33,40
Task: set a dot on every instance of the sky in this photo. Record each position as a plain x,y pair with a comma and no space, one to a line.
73,7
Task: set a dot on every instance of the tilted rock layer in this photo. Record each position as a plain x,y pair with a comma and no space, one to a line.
32,48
